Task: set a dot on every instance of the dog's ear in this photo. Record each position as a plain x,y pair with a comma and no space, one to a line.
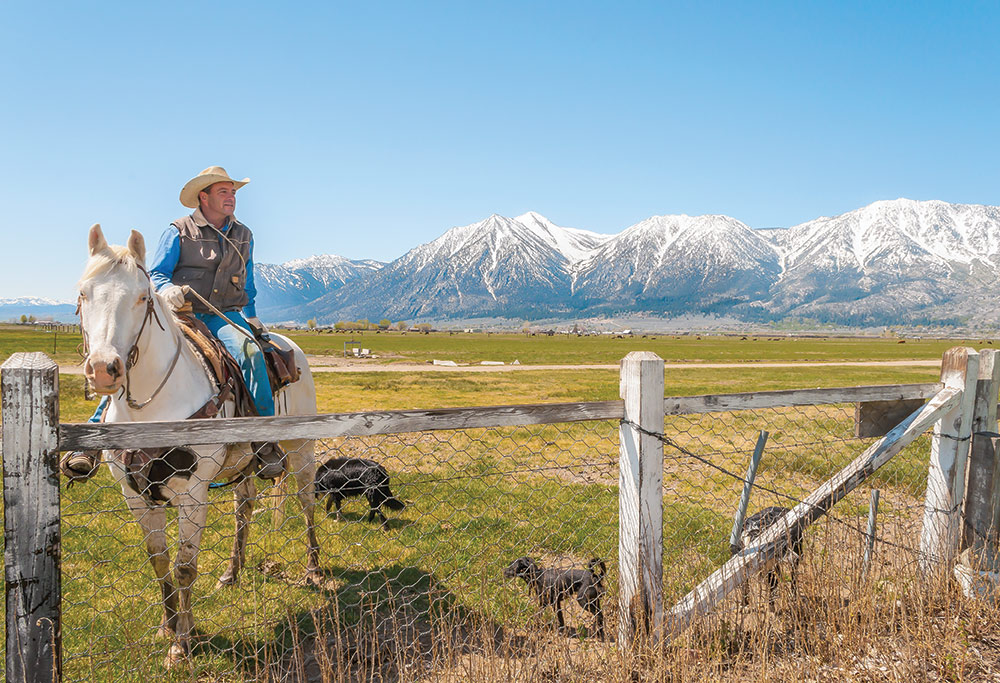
525,566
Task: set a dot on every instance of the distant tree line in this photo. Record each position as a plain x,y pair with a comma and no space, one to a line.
364,324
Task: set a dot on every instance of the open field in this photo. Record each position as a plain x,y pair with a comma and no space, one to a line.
607,349
346,392
424,598
352,392
558,349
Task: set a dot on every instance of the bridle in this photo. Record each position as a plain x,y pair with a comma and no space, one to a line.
133,353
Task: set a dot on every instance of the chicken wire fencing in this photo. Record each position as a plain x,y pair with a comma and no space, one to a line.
706,458
396,600
393,600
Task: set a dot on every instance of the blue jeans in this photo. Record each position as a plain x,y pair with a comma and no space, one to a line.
246,353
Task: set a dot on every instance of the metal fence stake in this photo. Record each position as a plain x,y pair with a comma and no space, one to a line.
741,511
870,534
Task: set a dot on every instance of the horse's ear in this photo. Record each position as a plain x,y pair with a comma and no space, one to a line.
97,242
137,246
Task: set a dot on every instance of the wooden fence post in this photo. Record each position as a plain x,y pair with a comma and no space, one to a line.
978,527
640,498
32,551
941,535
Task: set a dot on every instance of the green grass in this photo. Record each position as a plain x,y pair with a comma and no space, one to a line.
478,498
606,349
60,346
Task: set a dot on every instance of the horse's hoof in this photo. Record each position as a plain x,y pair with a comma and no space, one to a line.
176,656
228,579
165,633
314,577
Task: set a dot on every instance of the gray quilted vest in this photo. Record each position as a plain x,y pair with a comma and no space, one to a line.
211,266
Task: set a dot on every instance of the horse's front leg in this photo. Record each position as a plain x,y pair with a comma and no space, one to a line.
243,495
302,464
192,511
153,521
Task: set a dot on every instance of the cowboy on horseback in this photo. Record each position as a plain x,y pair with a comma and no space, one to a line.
211,253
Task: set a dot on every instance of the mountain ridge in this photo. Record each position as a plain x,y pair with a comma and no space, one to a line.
896,261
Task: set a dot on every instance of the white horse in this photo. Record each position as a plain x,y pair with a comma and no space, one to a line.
135,347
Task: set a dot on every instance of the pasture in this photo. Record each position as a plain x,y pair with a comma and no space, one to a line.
424,599
540,349
563,349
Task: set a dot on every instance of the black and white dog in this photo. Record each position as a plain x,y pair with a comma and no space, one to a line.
552,585
341,478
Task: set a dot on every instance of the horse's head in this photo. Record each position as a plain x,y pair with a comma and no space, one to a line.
114,302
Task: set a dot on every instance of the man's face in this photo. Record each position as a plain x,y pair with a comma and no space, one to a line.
219,198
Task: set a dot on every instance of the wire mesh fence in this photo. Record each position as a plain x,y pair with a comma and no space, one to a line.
393,600
705,462
424,591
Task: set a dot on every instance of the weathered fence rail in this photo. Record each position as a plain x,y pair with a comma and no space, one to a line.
84,435
32,435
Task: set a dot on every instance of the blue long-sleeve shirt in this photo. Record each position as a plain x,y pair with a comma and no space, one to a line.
168,251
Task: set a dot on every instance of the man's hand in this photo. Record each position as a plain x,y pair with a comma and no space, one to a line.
172,296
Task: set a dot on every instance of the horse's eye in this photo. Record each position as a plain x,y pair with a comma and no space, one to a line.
144,298
83,296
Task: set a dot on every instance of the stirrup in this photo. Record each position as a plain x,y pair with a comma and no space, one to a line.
270,460
79,466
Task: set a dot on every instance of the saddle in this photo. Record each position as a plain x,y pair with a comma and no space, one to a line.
227,371
280,363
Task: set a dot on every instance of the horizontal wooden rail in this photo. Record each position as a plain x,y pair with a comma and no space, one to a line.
74,436
242,429
756,400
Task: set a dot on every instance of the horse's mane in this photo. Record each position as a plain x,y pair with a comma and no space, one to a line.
116,256
105,260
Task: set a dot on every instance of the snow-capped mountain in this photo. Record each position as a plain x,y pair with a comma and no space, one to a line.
35,301
332,270
281,288
575,245
41,307
500,265
900,258
674,263
890,262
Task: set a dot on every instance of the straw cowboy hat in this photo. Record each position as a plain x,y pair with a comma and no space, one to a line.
210,176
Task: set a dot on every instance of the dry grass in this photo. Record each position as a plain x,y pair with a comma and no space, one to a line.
424,600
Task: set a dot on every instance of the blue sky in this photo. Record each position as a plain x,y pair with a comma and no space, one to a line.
368,128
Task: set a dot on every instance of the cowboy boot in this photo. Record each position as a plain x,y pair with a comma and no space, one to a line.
270,461
79,465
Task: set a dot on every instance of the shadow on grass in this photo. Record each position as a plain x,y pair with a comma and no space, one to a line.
385,624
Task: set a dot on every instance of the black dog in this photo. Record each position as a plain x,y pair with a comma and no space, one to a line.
753,527
552,585
340,478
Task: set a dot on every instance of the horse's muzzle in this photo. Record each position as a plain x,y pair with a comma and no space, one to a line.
105,376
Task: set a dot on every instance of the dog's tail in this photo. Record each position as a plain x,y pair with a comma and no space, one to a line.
593,566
